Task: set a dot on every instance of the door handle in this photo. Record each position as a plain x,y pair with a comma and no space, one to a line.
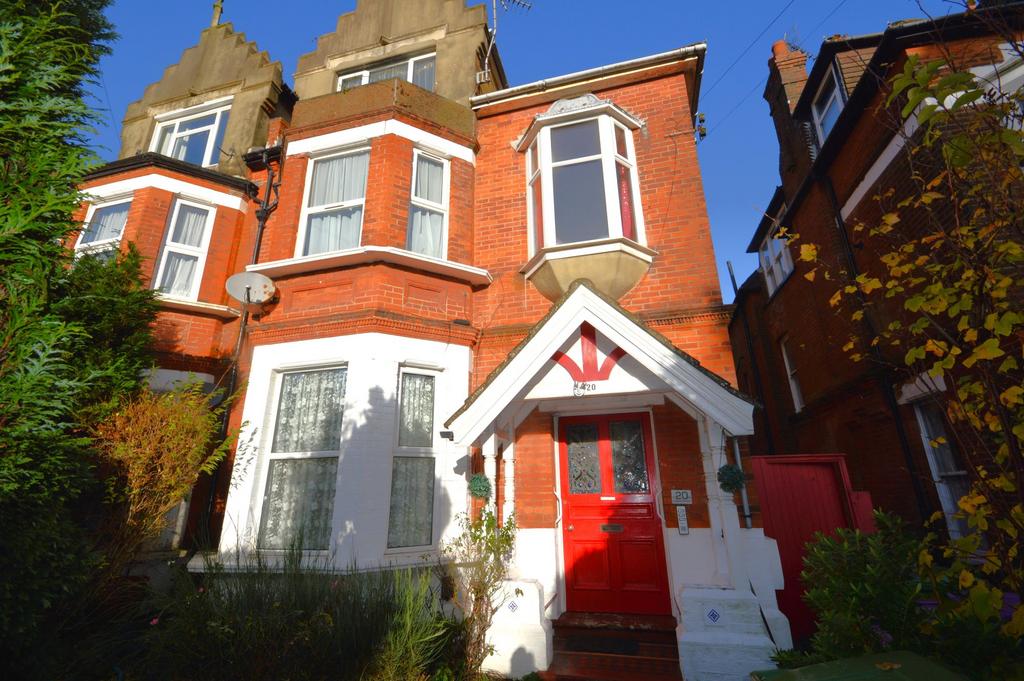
570,528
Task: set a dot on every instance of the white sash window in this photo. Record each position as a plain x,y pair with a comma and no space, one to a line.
428,209
335,195
180,272
411,517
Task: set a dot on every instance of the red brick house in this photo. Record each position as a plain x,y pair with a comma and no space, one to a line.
468,278
839,147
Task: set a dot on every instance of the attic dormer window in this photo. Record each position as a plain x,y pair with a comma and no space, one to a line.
581,175
417,70
194,135
828,104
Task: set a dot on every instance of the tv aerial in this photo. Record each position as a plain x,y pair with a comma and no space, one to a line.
251,289
485,75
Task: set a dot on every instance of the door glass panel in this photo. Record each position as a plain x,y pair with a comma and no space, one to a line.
628,461
584,464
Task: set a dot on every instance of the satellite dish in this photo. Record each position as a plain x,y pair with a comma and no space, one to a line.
250,288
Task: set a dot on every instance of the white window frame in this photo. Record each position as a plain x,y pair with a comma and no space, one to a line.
794,383
307,211
174,118
432,452
778,266
950,505
364,74
110,244
608,156
838,94
430,205
200,252
266,455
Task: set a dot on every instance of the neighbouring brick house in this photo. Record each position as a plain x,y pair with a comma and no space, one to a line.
839,147
468,278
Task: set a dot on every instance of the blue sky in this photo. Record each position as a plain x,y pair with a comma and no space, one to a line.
739,157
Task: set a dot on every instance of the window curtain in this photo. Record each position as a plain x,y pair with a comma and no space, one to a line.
179,270
299,503
333,230
107,223
339,179
416,412
400,71
412,502
309,413
423,73
426,231
189,225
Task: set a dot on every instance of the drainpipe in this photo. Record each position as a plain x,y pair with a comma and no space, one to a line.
747,519
268,203
888,392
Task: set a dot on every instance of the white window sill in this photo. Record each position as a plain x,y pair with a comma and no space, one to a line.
369,254
575,250
183,305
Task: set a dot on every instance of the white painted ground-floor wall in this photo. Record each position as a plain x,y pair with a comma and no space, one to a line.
374,364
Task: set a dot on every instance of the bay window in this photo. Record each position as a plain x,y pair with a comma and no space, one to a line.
417,70
193,135
428,209
335,193
411,517
104,225
302,471
582,183
184,252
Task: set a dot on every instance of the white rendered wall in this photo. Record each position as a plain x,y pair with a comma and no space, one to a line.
369,440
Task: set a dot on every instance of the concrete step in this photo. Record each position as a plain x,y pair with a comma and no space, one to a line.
602,647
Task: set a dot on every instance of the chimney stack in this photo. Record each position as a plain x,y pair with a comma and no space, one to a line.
787,75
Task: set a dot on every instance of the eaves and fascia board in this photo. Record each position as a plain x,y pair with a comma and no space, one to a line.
694,51
767,220
151,159
895,40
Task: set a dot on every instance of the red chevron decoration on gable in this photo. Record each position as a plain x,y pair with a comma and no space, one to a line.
590,371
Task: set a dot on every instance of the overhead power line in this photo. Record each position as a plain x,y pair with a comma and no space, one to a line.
748,47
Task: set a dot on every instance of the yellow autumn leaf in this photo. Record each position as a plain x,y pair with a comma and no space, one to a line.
966,579
1012,396
809,276
808,252
836,297
870,284
1015,627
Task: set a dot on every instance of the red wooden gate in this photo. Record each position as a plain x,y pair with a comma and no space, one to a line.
800,495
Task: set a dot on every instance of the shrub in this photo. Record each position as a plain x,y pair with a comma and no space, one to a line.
479,564
864,590
295,620
155,447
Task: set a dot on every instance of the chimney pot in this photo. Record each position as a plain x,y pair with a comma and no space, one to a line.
780,49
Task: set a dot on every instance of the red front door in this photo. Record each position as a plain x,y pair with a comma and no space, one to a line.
614,546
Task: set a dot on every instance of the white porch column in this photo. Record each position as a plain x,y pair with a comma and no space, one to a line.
722,512
508,457
490,453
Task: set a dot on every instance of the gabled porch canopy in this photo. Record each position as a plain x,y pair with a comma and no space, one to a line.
694,388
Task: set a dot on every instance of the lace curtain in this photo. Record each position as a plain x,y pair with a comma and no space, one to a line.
411,520
299,503
336,180
310,410
416,412
179,270
107,223
426,226
299,499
